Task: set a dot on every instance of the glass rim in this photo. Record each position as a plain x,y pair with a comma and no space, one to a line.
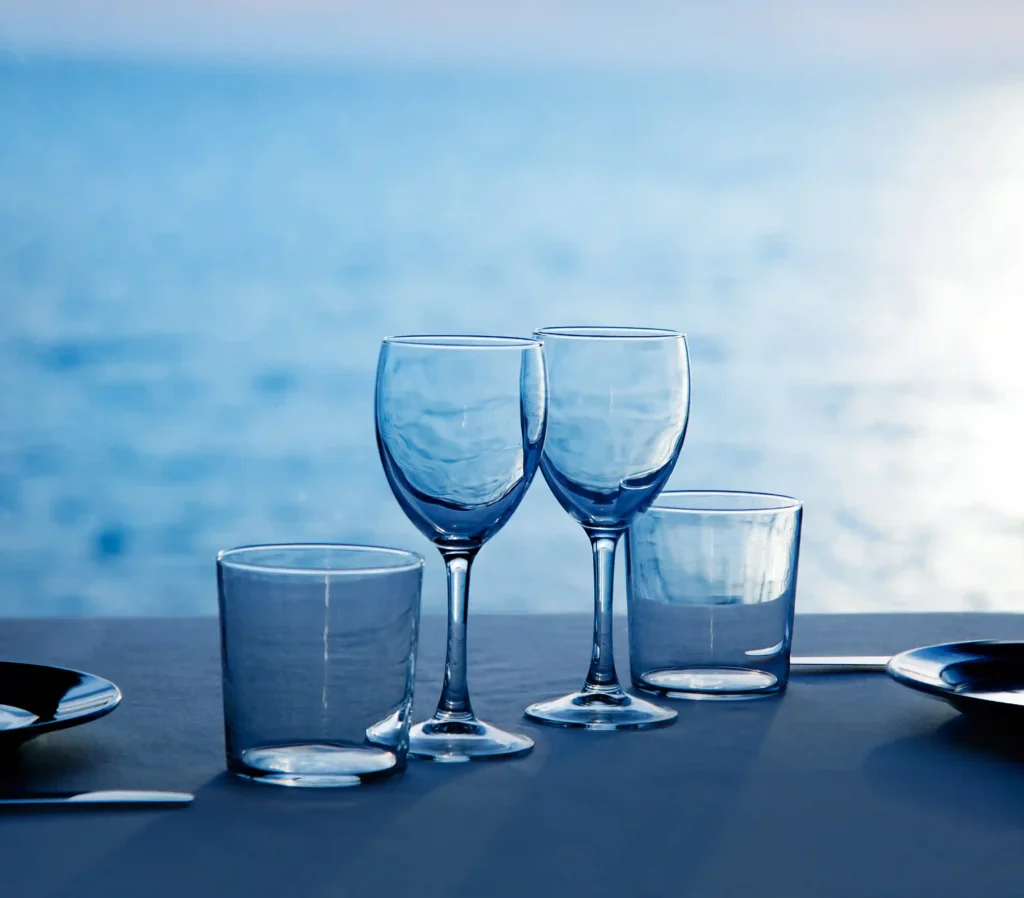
225,558
603,332
461,341
778,502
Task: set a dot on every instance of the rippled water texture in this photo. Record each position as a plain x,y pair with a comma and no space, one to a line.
196,268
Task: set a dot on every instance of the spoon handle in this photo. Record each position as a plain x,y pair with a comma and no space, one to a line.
110,797
838,663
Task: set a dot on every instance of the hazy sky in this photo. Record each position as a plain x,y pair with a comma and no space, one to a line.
735,33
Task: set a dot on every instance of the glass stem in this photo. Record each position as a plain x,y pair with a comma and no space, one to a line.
602,677
454,703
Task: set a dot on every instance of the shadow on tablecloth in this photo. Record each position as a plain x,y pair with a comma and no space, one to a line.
965,768
596,814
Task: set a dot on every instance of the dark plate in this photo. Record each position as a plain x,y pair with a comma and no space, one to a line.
985,678
35,699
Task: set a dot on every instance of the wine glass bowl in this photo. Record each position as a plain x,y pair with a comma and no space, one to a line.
617,415
460,425
458,446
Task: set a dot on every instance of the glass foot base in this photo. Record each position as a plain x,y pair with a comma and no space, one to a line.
709,683
454,741
601,711
315,766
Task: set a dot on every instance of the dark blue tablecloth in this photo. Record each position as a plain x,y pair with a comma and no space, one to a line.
847,786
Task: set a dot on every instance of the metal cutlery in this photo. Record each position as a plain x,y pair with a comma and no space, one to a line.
111,797
838,663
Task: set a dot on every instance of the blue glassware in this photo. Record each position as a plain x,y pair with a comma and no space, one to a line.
460,426
711,588
619,404
318,645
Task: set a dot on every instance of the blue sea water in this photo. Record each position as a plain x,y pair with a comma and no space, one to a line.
197,266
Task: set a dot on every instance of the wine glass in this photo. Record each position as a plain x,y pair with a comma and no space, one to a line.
619,403
460,426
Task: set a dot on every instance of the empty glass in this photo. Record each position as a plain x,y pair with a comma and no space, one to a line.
460,424
317,646
620,400
711,588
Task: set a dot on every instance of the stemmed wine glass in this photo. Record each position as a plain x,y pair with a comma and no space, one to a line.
619,404
460,426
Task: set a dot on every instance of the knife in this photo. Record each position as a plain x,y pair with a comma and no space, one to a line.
111,797
838,663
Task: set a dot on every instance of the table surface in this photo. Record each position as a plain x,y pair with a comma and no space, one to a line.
847,785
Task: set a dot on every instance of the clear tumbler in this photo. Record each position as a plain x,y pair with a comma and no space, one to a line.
711,586
318,645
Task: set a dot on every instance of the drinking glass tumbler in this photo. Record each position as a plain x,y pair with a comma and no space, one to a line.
711,586
460,425
620,401
318,644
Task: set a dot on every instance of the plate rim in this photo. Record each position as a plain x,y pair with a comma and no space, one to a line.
942,690
38,727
